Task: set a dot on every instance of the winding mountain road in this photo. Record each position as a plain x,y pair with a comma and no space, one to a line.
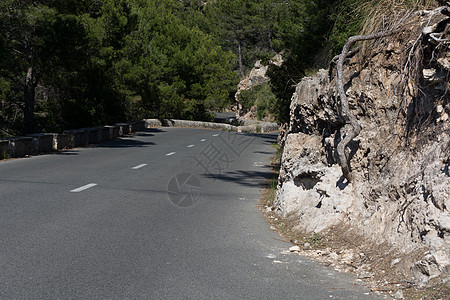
168,213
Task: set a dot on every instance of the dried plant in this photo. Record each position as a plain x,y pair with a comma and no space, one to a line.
382,18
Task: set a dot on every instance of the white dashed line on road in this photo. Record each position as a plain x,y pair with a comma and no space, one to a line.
170,154
216,134
203,140
190,146
84,187
138,167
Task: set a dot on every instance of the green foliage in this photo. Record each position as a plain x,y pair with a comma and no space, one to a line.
175,69
260,96
97,62
77,63
347,19
321,28
242,26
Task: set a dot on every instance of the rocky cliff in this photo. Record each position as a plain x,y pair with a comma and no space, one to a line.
257,76
399,90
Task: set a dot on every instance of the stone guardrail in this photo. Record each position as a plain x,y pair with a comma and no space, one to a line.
260,127
34,144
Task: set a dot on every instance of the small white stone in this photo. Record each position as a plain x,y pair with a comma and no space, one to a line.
364,275
428,73
395,261
333,255
428,30
444,117
399,295
277,262
294,249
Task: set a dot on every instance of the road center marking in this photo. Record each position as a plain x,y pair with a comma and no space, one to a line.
203,140
138,167
190,146
84,187
170,154
216,134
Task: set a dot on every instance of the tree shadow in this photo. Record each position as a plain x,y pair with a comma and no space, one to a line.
149,131
125,143
130,142
269,138
241,177
63,152
264,152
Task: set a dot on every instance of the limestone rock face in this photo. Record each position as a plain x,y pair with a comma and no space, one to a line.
256,77
400,161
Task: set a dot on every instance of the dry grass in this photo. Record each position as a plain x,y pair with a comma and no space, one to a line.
388,15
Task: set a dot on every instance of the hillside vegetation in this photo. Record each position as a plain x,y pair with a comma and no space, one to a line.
67,64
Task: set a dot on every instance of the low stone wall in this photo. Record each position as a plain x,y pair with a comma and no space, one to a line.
4,149
261,127
79,137
20,146
48,142
63,141
137,125
124,128
42,142
149,123
109,133
93,135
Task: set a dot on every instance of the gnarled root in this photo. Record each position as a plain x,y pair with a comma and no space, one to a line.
345,111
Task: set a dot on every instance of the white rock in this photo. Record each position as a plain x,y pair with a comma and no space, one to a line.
364,275
333,255
399,295
395,261
428,73
294,249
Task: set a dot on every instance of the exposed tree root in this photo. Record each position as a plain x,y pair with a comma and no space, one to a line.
348,117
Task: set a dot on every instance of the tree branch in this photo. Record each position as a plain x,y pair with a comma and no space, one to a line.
345,111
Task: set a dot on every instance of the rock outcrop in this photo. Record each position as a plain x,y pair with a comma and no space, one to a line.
399,90
256,77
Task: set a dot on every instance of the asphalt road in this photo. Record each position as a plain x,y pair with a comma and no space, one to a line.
166,214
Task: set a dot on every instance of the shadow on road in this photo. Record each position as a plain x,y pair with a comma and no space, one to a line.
245,178
64,152
149,131
264,152
129,142
125,143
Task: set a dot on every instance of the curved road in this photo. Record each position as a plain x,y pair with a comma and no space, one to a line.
166,214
